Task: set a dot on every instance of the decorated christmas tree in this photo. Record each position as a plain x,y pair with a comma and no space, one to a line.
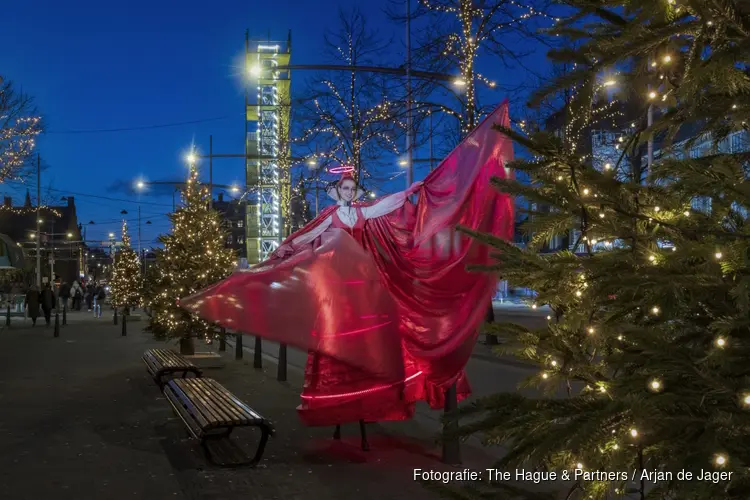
126,284
643,365
193,257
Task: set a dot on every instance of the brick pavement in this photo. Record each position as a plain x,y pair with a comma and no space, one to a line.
81,419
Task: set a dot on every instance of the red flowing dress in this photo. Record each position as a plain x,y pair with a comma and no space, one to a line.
336,392
386,307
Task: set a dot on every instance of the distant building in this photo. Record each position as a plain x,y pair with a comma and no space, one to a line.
233,213
62,248
697,147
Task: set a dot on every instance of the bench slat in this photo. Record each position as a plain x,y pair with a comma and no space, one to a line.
183,401
243,411
213,417
234,415
228,413
187,418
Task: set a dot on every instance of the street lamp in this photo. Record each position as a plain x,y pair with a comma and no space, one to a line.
459,82
235,189
111,235
256,70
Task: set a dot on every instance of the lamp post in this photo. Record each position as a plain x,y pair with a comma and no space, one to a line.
38,222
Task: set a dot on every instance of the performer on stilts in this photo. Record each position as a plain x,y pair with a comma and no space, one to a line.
378,292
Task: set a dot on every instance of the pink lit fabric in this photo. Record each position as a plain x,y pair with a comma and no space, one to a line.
386,307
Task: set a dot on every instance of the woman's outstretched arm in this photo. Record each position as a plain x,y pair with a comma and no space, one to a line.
389,203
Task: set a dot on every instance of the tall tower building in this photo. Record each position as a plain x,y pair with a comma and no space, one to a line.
267,145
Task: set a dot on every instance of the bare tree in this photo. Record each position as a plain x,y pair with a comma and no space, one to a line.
349,117
453,37
19,127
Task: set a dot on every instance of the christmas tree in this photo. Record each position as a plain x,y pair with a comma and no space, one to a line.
126,284
643,362
193,258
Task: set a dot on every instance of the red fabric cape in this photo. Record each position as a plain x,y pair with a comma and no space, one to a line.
403,306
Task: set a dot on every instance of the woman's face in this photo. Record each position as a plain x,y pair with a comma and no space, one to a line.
347,190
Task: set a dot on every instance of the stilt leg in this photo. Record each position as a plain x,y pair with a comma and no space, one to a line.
363,431
337,432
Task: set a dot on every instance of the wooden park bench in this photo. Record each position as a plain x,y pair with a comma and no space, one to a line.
211,412
163,363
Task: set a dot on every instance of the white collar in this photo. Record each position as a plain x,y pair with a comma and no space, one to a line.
342,203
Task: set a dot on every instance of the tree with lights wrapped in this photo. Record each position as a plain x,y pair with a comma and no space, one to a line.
459,32
193,258
19,127
351,117
649,334
126,284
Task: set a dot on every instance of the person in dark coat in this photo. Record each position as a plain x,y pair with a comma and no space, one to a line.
90,296
31,303
47,301
64,295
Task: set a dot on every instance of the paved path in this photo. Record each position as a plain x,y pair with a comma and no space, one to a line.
82,420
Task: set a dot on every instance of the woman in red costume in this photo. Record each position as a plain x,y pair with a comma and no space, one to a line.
327,380
379,292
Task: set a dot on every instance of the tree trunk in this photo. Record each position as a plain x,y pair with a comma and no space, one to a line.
187,348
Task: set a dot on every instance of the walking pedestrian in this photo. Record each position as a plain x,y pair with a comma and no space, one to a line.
77,293
47,301
64,295
90,295
31,304
99,297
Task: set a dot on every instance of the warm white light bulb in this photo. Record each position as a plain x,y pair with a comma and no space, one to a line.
586,191
533,306
579,293
553,363
651,95
686,213
720,342
720,460
717,255
651,258
591,329
579,465
559,177
634,433
655,310
545,375
607,166
667,59
655,385
601,215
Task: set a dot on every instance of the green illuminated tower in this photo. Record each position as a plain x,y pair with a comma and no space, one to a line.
267,143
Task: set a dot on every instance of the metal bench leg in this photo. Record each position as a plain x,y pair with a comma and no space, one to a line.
337,432
261,446
363,431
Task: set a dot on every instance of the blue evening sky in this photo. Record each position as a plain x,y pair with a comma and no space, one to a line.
98,66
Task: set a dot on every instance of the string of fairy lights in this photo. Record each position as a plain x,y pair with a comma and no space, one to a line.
596,209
